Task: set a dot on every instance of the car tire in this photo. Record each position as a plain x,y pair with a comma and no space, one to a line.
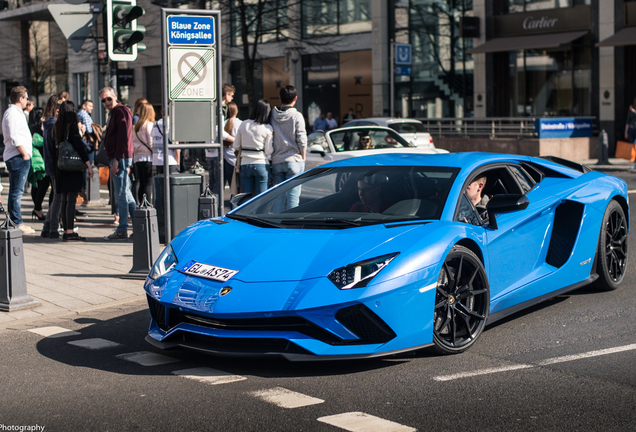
611,255
462,302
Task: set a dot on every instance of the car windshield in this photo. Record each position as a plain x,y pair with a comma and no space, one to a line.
366,139
346,197
408,127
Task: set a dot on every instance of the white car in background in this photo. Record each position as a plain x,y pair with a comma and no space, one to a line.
344,143
412,130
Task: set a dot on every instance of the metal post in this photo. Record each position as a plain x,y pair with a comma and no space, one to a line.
92,192
164,104
603,151
219,112
13,287
392,77
145,242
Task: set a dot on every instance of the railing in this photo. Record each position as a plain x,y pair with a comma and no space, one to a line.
492,127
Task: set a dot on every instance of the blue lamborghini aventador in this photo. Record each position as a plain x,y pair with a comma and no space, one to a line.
382,254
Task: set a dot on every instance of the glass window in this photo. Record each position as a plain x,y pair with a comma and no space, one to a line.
268,24
408,127
514,6
347,197
325,18
525,182
357,140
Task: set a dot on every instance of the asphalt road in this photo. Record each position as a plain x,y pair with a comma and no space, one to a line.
567,364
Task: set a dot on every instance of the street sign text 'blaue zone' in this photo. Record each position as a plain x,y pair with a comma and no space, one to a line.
190,30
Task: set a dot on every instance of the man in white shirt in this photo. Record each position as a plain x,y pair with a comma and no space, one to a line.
17,153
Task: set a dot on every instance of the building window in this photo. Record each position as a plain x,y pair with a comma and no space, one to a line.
320,18
267,21
82,87
514,6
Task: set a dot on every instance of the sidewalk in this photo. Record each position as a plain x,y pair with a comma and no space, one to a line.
614,164
73,277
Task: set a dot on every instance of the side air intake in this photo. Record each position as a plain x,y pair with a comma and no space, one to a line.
567,221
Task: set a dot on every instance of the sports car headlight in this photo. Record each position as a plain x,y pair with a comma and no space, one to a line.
166,262
359,274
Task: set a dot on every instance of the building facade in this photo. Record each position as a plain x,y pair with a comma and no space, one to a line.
470,58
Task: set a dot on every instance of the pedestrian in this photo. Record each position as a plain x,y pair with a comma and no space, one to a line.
17,153
119,148
320,124
86,129
52,222
254,141
290,145
37,174
231,127
157,148
142,153
630,124
349,116
64,96
212,155
331,122
27,110
135,112
69,183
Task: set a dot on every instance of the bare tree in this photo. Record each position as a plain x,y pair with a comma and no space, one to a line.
41,66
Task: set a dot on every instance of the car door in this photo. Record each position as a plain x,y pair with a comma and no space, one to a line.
516,249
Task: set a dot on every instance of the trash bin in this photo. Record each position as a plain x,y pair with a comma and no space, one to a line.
185,190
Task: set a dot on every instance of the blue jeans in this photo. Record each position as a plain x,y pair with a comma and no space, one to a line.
254,178
18,170
123,194
283,171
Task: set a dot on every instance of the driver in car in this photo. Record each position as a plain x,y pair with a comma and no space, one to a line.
370,193
364,143
474,192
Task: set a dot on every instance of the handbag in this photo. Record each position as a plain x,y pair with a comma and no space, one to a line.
625,150
101,157
68,159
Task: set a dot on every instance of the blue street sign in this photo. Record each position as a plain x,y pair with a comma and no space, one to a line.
564,127
190,30
402,54
403,70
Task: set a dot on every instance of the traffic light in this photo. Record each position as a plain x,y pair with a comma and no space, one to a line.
124,34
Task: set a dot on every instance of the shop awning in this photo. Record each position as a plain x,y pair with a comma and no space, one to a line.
517,43
627,36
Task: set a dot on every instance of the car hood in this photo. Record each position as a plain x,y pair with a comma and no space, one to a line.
277,255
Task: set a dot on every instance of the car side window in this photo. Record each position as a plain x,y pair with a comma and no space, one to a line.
524,180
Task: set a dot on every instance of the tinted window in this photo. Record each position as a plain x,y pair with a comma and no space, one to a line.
524,180
344,140
346,197
408,127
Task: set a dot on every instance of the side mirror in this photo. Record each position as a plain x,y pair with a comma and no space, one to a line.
316,148
240,199
504,204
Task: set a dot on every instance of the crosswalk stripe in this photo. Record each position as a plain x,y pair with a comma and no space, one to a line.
208,375
53,332
286,398
361,422
94,343
146,358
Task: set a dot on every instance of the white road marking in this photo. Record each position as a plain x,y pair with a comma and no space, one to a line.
361,422
94,343
146,358
54,332
286,398
631,191
551,361
208,375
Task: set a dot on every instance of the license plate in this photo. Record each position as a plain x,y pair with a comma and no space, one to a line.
207,271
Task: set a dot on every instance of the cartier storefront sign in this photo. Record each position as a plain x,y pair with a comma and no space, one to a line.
543,21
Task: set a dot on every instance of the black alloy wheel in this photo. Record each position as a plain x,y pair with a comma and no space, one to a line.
611,257
462,302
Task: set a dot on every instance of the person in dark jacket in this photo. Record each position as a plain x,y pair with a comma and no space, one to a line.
52,222
37,175
119,148
69,183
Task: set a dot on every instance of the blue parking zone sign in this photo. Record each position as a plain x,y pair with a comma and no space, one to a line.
190,30
402,54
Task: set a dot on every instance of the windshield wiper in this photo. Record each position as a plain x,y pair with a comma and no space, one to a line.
254,221
325,221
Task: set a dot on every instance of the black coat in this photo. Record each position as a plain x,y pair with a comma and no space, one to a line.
71,181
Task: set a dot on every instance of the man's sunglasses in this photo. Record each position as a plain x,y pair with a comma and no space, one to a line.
108,99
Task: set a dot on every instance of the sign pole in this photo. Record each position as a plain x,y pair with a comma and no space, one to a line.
164,104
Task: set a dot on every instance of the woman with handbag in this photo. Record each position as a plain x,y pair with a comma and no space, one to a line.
142,153
72,160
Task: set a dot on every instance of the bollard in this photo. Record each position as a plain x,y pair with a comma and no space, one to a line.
145,240
94,198
13,287
208,204
603,149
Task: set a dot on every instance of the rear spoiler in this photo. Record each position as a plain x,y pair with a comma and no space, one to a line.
568,163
